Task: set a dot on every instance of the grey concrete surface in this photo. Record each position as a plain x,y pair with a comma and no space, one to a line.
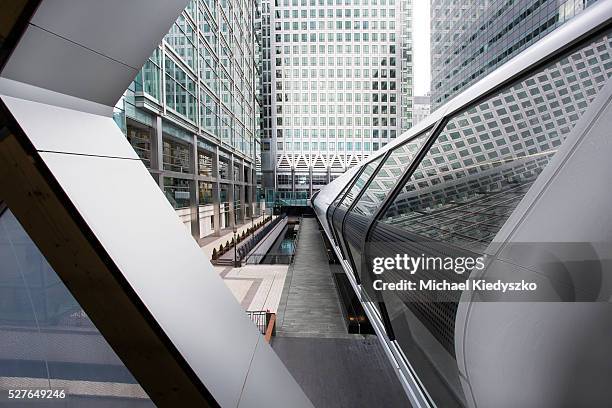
309,304
335,369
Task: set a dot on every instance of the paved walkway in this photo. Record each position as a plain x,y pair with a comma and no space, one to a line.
335,369
255,287
309,305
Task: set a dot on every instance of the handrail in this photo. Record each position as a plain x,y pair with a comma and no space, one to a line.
271,329
265,322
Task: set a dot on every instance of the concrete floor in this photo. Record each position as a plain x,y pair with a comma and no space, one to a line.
309,303
334,368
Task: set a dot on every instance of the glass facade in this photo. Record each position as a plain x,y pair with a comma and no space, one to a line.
337,84
469,39
193,109
453,200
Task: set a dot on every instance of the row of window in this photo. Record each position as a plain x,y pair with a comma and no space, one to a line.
321,25
329,146
177,156
337,121
301,179
376,75
332,133
304,3
178,193
337,13
338,49
332,37
339,108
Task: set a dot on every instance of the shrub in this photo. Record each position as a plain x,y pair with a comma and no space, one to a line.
214,254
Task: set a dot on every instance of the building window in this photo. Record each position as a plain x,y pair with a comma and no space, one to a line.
177,191
176,156
140,139
205,193
223,169
205,166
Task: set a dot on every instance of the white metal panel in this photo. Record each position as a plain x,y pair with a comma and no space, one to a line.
126,31
76,132
9,87
48,61
164,266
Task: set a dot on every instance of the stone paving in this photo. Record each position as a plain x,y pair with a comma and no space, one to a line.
335,369
309,305
256,287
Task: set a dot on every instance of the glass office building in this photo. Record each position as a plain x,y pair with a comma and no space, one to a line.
192,115
470,39
337,86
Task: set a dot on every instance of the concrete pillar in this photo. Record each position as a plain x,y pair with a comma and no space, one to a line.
194,202
253,191
242,192
230,194
157,151
310,178
216,193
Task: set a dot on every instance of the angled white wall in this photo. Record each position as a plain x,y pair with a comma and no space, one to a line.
142,276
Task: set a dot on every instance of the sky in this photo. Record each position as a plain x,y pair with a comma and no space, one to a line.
420,46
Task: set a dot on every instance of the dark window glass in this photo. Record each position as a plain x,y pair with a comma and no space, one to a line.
205,193
140,139
178,191
176,156
205,166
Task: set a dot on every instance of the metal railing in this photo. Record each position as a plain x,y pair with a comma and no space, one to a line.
265,322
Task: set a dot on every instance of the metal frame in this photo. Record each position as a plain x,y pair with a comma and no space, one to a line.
583,27
343,193
355,201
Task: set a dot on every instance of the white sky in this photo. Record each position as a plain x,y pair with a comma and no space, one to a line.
420,46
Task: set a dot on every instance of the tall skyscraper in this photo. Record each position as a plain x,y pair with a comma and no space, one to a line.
471,38
192,114
337,86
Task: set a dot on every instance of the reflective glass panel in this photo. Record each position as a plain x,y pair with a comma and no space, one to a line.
473,176
487,157
47,341
388,176
360,183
